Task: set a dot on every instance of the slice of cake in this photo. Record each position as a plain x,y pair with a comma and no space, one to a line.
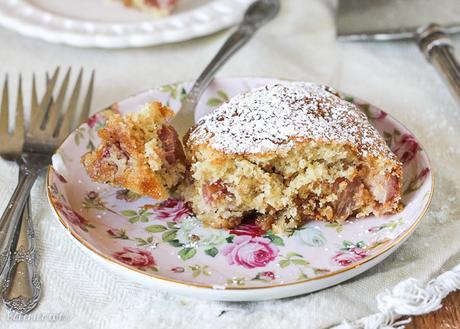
156,7
140,152
287,154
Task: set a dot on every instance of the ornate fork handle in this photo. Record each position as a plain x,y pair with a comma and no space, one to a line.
10,218
22,287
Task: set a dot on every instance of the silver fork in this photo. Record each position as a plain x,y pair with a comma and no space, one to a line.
21,290
257,15
11,148
49,125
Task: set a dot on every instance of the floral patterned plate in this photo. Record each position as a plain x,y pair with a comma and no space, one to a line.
164,246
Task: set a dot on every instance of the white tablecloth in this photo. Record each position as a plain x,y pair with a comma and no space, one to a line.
299,44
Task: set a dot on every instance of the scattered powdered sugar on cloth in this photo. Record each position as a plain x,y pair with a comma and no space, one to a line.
274,117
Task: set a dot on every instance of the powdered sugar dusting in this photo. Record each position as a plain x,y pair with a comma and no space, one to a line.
273,118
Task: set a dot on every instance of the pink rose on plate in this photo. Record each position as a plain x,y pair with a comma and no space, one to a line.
93,120
250,252
350,256
72,216
117,233
172,210
375,229
406,148
59,176
113,232
422,175
380,115
135,257
247,229
178,269
267,276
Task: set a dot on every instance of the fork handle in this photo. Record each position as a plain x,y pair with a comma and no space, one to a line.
10,218
235,41
439,50
185,117
22,287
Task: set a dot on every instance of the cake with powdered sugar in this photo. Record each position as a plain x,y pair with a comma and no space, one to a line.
281,155
285,154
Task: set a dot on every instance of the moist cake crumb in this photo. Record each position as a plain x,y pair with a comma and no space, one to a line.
139,151
285,154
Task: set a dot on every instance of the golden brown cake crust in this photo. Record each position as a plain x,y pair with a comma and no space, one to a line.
132,152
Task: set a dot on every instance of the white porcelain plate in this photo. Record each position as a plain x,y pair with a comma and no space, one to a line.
164,246
101,23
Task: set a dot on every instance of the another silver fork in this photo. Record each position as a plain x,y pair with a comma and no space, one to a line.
11,149
49,125
258,14
21,290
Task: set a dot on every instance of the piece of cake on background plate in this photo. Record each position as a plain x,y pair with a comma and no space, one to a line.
156,7
139,151
286,154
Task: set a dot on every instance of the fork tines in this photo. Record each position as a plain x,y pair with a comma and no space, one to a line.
11,140
57,119
51,119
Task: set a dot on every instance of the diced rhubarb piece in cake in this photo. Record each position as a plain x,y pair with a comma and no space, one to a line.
289,153
140,152
156,7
